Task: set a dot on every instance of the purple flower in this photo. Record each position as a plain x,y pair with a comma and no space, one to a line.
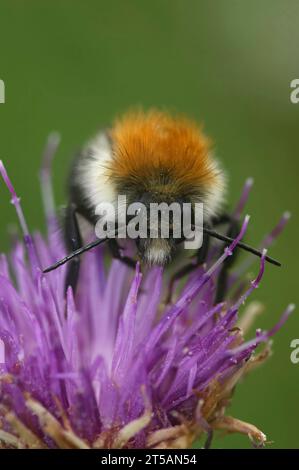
113,367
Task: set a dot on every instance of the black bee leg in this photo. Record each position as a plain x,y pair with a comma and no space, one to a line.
187,269
233,230
73,241
116,253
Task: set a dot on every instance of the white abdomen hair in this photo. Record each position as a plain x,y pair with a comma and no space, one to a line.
92,173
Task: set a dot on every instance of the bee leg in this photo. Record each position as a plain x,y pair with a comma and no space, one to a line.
73,241
116,253
233,230
187,269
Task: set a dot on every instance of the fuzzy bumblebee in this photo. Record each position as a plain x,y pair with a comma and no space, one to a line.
149,157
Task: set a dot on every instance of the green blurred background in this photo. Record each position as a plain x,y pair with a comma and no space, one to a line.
73,65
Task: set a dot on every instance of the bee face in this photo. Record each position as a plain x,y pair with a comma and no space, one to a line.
157,247
155,251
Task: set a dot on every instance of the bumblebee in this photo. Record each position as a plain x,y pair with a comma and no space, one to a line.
150,157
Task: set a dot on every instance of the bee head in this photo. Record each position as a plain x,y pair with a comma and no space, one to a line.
160,225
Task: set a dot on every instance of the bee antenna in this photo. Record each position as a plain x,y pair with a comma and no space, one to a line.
241,245
76,253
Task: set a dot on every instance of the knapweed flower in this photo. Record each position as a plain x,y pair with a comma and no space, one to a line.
113,367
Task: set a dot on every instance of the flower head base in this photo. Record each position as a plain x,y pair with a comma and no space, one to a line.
112,368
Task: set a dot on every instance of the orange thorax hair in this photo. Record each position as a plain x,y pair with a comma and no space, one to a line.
169,155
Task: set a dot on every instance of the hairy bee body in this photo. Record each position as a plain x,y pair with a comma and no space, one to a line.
148,157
